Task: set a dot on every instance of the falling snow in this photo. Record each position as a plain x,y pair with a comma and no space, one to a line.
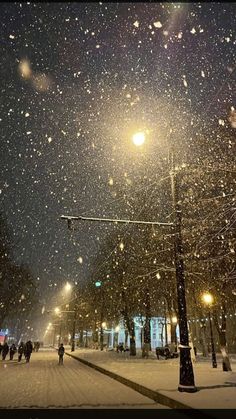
78,81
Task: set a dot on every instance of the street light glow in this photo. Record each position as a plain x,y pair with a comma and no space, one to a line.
138,138
57,310
174,319
98,283
68,287
207,298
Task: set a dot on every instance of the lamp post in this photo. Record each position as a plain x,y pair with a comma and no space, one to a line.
208,300
98,284
59,340
68,288
186,376
73,332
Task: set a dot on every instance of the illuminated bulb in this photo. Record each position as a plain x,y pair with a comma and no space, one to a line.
138,138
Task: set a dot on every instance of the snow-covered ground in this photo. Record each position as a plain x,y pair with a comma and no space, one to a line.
216,388
43,383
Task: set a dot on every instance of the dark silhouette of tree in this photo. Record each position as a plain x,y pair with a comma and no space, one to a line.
18,291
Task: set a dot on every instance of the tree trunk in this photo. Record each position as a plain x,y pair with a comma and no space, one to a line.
130,326
147,325
81,338
173,335
147,332
223,348
222,338
203,340
126,337
132,339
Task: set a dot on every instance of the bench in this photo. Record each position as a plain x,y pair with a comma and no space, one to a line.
165,352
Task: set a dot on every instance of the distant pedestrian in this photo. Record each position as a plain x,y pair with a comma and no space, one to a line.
5,350
28,350
61,351
0,348
37,346
21,349
12,351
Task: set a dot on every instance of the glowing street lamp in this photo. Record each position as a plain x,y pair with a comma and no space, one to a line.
139,138
68,287
207,298
57,310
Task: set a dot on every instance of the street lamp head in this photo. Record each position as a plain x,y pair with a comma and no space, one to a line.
207,298
139,138
98,284
68,287
174,320
57,310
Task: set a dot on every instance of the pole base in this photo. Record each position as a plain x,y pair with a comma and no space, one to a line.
187,389
186,382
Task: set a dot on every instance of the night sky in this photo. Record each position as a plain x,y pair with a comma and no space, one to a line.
77,79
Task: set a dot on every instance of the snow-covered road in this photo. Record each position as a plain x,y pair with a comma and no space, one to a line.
44,384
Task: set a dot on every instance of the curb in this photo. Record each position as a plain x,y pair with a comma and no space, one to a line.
154,395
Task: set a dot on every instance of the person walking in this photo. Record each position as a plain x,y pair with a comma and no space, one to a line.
12,351
5,350
61,351
28,350
21,349
37,346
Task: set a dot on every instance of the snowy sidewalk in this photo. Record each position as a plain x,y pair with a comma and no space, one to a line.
216,388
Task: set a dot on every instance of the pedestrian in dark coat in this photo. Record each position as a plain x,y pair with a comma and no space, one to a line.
28,350
61,351
5,350
0,348
12,351
21,349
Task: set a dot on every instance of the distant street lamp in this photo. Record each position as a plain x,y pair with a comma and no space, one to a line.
208,300
68,287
